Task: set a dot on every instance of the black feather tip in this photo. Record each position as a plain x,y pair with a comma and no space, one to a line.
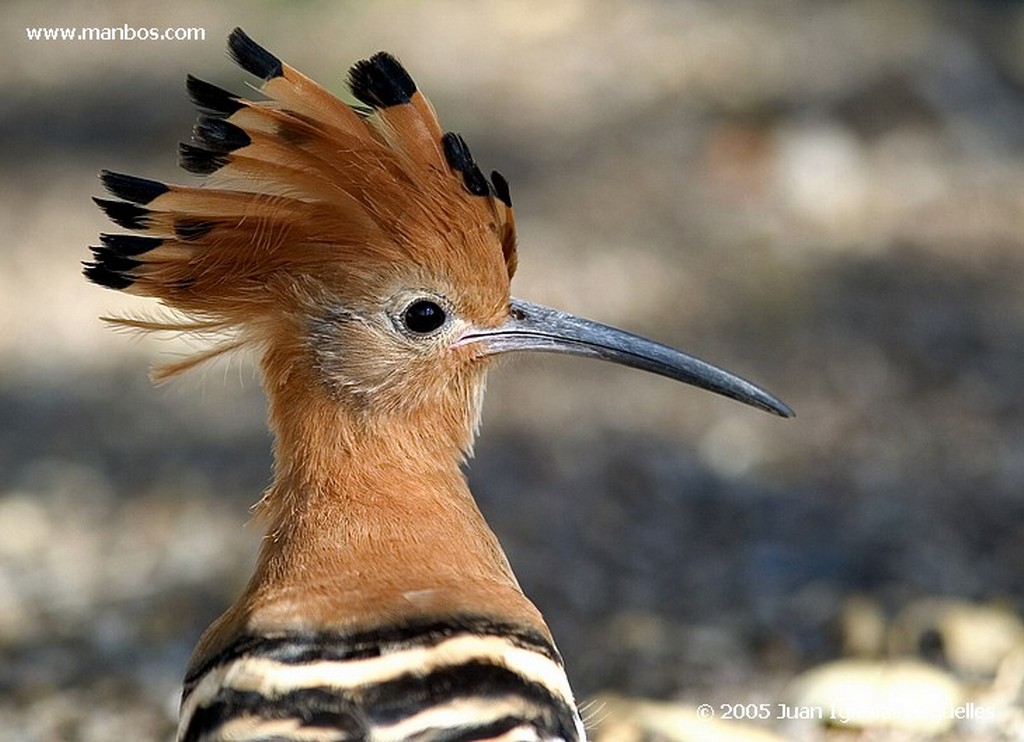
459,158
199,160
219,135
501,188
110,268
381,81
99,274
114,261
456,151
124,214
212,99
132,188
252,57
129,245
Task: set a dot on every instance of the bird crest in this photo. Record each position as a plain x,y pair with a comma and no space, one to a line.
306,200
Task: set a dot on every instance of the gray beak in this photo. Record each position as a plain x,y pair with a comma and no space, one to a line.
541,329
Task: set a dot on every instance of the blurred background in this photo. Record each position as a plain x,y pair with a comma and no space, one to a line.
824,196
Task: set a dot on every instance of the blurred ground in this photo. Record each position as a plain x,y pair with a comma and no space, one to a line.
827,197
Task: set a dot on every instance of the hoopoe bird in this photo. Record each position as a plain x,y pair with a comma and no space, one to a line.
366,258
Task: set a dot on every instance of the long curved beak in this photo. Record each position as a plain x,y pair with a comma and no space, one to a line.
538,328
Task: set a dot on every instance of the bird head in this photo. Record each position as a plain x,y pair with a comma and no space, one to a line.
359,247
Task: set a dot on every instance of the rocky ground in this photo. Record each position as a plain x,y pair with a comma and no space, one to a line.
827,197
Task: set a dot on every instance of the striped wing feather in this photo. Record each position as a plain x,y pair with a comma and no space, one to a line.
468,679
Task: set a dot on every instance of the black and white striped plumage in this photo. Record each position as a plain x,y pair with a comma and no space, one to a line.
452,679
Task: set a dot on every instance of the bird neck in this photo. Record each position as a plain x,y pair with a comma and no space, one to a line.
370,522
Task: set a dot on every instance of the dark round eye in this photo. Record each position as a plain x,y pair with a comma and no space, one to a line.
423,316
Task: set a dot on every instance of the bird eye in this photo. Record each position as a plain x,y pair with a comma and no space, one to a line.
423,316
